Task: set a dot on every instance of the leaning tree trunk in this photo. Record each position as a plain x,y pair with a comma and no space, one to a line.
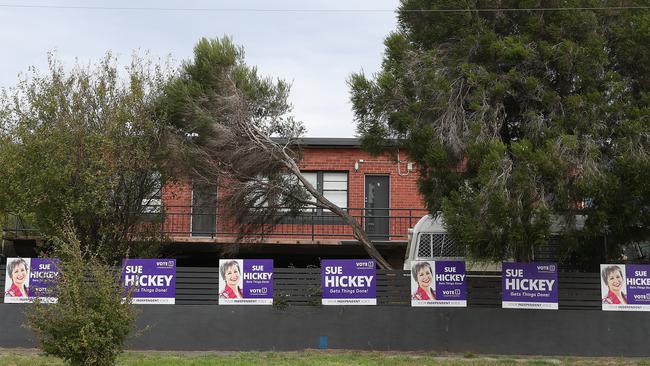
357,231
240,119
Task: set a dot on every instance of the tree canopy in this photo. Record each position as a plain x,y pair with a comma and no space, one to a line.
519,120
85,144
233,128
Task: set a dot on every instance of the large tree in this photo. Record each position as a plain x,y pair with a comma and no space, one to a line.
85,143
518,116
234,128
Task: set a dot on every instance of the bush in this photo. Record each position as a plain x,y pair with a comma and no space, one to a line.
90,322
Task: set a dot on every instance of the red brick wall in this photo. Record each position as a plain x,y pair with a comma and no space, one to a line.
403,191
403,188
177,199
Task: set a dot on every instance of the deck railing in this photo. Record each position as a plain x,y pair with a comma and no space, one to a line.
381,224
312,224
19,227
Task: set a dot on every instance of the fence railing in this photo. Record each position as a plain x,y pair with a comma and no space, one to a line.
302,287
18,226
310,223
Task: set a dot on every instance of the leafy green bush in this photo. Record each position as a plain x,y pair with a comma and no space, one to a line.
90,322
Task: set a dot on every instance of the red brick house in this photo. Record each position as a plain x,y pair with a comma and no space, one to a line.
378,191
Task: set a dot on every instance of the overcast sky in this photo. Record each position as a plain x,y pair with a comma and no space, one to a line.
315,50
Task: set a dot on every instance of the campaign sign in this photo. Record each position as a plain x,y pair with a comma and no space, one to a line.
529,285
29,279
438,283
625,287
246,282
153,281
348,282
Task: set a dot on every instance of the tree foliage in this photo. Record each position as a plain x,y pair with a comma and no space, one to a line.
517,117
84,142
90,322
234,127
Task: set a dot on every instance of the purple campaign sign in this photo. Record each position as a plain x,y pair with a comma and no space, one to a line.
348,282
638,284
28,279
258,279
42,278
438,283
246,282
529,285
154,280
450,282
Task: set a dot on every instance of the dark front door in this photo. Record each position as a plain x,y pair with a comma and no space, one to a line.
204,211
377,206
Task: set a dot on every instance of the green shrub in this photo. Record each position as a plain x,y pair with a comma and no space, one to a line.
90,322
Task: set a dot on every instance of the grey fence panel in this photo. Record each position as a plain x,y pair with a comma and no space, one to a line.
197,285
393,287
484,289
579,291
297,286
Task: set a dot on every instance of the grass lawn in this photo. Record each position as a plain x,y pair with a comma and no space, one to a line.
319,358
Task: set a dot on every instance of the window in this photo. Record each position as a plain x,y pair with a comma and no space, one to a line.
312,178
261,199
152,201
335,188
332,185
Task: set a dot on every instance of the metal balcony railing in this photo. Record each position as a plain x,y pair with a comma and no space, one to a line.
17,226
380,224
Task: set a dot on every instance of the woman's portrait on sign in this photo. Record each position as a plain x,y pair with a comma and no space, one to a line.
423,286
613,284
17,278
230,284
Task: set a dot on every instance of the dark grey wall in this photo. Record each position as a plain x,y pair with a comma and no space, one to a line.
478,330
